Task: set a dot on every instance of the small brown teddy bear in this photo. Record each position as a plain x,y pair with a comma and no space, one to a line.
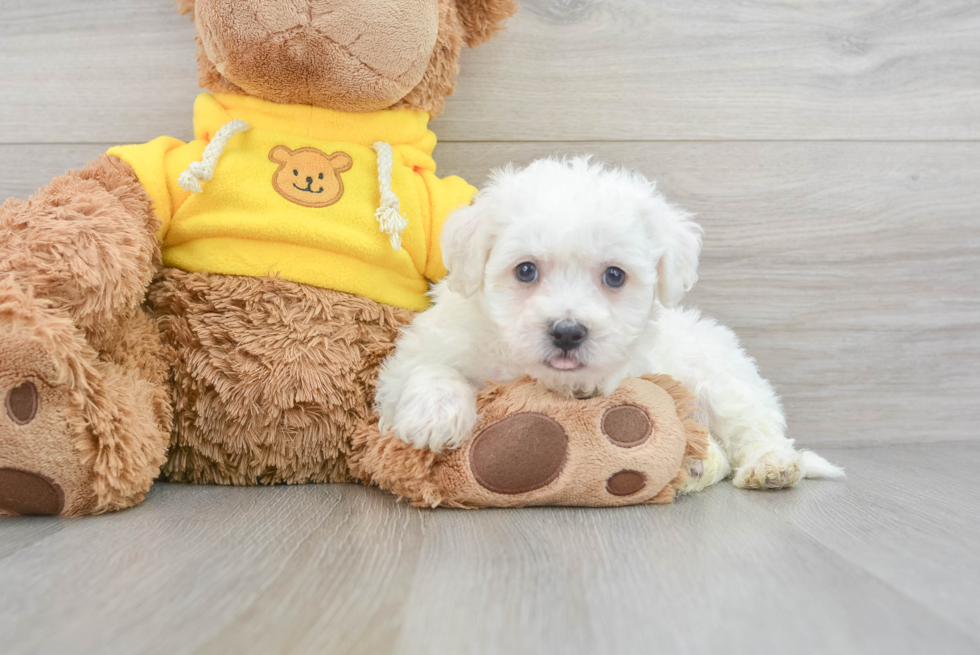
299,170
215,307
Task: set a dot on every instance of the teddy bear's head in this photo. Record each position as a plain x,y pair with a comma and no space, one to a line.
361,55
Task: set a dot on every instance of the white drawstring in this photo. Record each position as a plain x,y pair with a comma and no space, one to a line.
202,171
389,214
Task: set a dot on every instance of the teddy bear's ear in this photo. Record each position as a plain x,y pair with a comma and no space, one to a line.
340,161
280,155
185,6
482,19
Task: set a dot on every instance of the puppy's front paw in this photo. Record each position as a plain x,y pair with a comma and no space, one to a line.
436,416
776,469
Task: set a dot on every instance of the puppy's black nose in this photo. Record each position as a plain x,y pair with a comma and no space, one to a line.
568,335
309,180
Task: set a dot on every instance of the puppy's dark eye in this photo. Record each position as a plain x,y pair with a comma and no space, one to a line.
526,272
614,277
321,176
295,172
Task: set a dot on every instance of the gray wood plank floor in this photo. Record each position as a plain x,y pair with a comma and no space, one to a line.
886,562
831,148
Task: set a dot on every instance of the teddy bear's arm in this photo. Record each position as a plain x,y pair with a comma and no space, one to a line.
157,166
445,196
85,242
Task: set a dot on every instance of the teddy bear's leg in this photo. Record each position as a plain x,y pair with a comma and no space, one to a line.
271,378
84,409
81,432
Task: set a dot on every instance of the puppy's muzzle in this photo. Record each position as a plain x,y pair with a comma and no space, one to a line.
568,335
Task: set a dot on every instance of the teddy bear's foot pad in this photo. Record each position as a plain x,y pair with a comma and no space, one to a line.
26,493
518,454
626,483
533,447
527,451
23,492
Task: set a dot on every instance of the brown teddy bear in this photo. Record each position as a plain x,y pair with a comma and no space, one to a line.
220,307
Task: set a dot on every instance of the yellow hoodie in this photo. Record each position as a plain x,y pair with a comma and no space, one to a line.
336,200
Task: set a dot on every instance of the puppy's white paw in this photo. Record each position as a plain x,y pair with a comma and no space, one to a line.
704,473
437,415
776,469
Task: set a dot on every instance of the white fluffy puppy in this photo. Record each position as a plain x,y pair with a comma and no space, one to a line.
571,272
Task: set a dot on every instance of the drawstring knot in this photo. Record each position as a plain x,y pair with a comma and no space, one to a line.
203,171
389,214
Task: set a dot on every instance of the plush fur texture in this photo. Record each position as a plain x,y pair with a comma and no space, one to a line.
573,220
439,80
86,243
430,479
483,19
271,378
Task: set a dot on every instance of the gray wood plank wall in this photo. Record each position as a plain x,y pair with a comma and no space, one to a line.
830,148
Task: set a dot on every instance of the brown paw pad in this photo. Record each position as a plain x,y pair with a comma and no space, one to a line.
627,426
520,453
626,483
21,403
26,493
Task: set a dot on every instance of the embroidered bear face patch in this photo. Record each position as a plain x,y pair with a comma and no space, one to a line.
308,176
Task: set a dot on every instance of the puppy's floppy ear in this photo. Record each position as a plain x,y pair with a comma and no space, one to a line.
185,6
482,19
677,270
467,238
